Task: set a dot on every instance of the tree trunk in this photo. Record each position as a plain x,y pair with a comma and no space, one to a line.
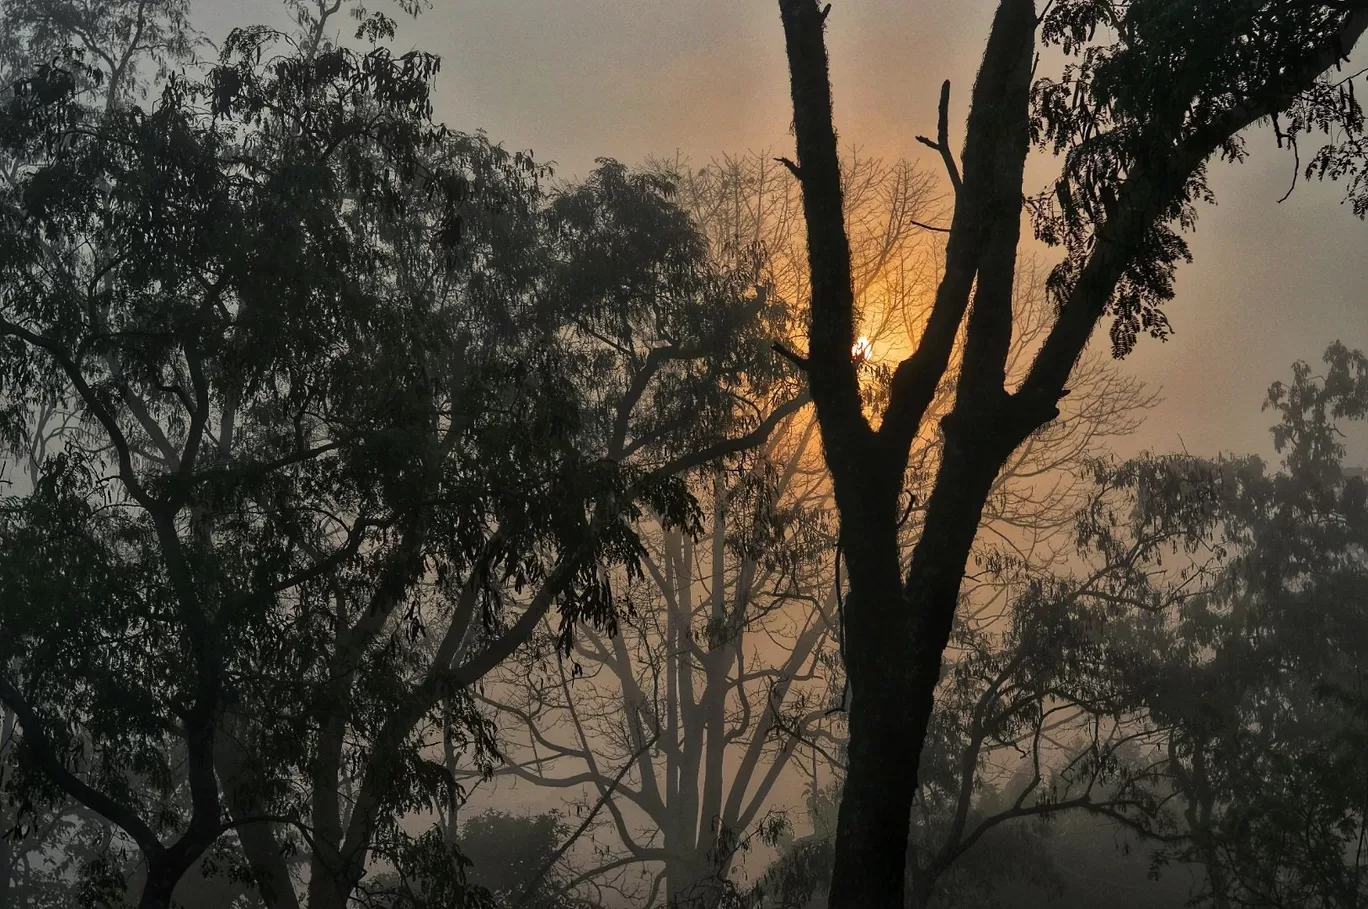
895,636
896,629
329,894
165,867
920,890
269,869
6,871
895,633
7,852
451,823
694,882
160,883
876,800
326,890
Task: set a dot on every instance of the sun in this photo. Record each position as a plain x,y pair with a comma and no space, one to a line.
861,350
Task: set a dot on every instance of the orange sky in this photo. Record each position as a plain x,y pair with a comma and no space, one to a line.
575,79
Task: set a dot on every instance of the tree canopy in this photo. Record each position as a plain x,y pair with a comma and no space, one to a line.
337,381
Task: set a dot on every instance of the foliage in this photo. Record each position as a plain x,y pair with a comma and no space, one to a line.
1264,709
514,857
742,626
1224,652
354,404
1193,676
1154,77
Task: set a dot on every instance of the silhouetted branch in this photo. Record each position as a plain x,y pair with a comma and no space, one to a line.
37,741
792,167
942,142
734,446
796,359
939,230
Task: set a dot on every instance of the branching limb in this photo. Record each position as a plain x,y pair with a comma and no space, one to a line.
606,793
737,445
40,746
942,141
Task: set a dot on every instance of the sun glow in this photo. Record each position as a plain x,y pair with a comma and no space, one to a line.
861,350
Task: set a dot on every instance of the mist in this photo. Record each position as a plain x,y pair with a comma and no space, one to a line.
528,455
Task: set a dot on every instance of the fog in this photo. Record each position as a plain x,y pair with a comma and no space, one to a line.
517,454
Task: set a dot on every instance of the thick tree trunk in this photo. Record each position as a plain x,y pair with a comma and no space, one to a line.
694,882
329,894
885,730
895,635
166,866
327,889
897,628
160,883
896,632
920,890
872,827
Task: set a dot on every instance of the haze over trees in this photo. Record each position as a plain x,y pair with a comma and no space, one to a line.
726,681
761,511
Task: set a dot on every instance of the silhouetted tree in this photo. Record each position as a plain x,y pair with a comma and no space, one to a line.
1253,691
762,658
341,379
1159,89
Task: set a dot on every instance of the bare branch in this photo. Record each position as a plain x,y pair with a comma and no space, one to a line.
942,142
605,794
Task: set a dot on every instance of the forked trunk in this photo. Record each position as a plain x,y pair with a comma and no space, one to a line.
895,636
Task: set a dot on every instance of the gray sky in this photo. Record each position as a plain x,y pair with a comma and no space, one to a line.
576,79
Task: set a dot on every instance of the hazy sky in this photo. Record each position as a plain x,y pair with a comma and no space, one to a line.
577,79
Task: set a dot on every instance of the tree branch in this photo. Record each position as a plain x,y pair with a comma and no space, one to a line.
831,374
1142,198
793,168
607,792
733,446
986,213
39,744
942,143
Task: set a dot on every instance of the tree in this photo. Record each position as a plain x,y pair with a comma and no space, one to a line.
341,377
683,726
118,41
678,726
1208,637
704,612
1038,714
1253,698
1007,859
1157,92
